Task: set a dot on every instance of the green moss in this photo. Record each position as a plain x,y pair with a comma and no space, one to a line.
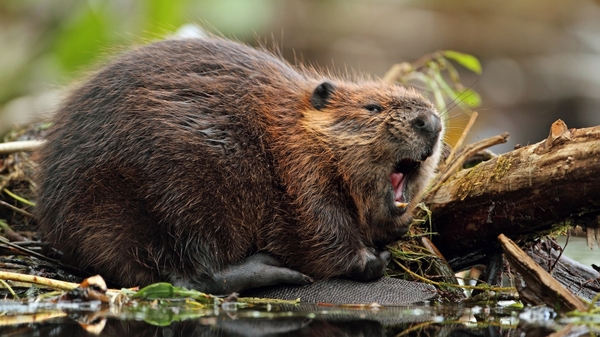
480,175
502,167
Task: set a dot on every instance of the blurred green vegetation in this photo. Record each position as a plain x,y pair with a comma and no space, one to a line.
47,43
51,43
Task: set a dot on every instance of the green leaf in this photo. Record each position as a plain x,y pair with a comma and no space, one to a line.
155,291
466,60
165,290
469,97
438,95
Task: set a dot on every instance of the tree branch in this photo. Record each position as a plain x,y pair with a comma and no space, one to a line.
522,193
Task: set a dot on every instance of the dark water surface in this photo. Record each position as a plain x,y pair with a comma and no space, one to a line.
185,319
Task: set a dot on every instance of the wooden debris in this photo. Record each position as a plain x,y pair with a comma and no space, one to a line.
583,281
592,233
18,146
441,267
91,289
526,192
540,287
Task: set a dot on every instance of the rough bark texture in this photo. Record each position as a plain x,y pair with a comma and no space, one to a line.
540,288
522,193
581,280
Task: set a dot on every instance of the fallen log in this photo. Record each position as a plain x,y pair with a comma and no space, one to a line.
524,193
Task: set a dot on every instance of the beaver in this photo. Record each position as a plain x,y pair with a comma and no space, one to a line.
214,165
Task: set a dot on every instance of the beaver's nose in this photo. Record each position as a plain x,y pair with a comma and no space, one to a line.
427,123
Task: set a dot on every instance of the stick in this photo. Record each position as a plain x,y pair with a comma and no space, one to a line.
462,138
22,145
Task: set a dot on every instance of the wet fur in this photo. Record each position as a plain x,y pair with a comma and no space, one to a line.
185,156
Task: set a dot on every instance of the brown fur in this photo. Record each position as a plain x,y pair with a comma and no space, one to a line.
186,156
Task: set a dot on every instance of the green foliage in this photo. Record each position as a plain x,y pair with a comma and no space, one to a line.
49,43
90,30
4,225
440,78
82,39
163,12
167,291
18,198
468,61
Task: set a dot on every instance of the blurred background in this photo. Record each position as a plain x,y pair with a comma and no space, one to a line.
540,58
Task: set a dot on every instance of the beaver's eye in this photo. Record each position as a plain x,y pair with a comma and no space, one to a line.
374,108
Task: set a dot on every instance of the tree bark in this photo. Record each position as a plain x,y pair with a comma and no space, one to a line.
540,288
523,193
582,281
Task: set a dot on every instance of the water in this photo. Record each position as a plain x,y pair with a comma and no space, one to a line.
188,318
578,250
166,318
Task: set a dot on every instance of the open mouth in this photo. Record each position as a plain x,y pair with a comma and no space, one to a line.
399,178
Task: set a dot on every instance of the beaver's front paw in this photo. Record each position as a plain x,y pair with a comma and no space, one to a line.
372,267
255,271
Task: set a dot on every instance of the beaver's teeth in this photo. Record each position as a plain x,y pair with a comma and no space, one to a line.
400,204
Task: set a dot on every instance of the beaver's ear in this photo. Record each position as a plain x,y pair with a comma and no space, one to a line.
321,95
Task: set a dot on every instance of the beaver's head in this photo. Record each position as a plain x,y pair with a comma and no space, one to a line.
387,142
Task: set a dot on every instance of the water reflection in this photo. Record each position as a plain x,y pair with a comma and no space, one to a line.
299,320
252,327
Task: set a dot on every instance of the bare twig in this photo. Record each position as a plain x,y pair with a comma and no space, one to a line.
16,209
42,257
54,284
22,145
462,138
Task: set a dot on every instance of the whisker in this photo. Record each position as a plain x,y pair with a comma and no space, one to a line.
456,101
